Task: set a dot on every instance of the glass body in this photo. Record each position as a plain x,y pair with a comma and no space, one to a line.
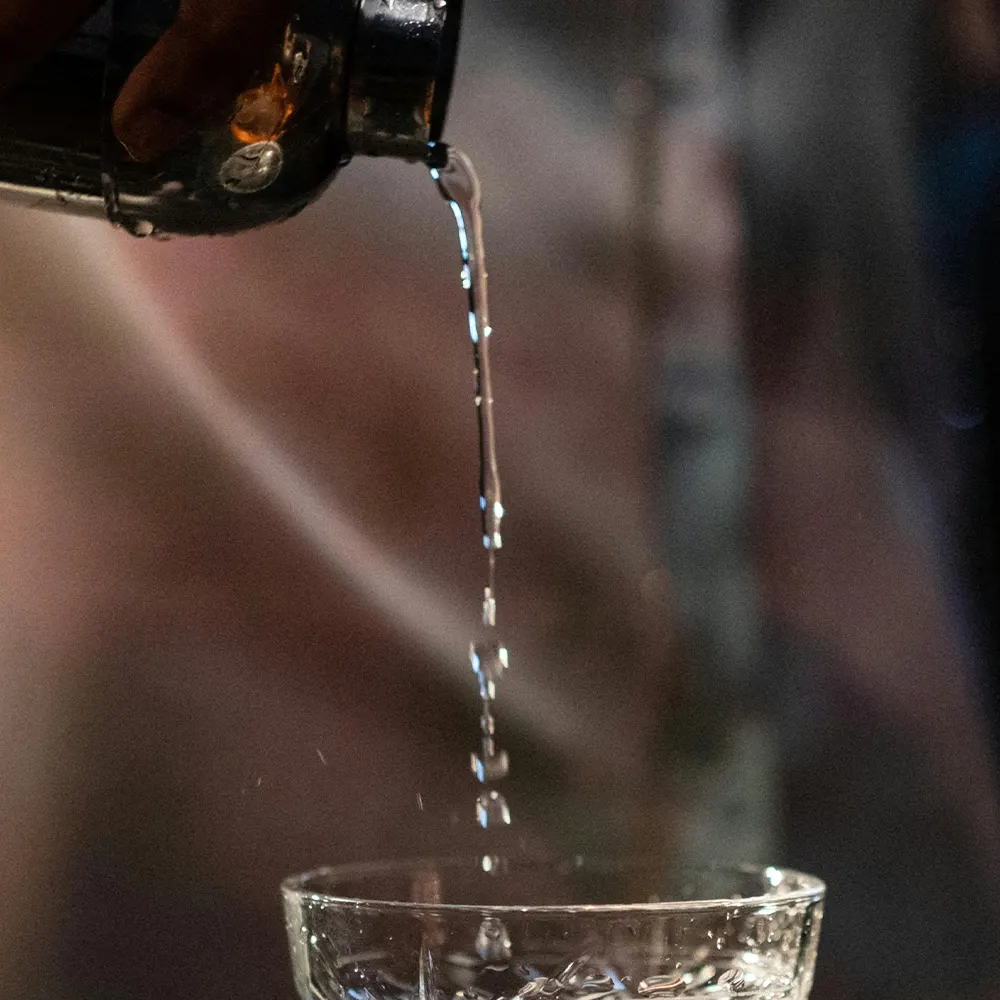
486,928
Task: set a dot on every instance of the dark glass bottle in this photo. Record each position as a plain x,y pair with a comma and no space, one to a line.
350,76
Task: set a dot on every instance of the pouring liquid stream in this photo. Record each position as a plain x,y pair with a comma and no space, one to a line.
458,183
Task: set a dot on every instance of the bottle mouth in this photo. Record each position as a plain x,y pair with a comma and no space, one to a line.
400,75
446,69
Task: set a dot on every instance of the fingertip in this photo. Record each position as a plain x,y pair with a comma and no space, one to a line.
147,132
192,76
179,87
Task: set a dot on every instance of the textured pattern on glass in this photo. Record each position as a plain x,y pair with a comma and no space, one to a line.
352,952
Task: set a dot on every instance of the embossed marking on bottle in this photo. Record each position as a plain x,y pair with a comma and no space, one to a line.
252,168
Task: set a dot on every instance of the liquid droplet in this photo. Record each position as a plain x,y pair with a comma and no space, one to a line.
493,941
489,609
489,660
355,975
491,809
490,766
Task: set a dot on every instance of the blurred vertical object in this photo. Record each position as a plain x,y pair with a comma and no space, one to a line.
716,746
867,388
959,161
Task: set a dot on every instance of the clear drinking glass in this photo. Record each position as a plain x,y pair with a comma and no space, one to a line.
488,928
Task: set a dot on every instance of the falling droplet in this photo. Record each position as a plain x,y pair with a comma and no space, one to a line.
489,609
491,808
490,766
489,660
493,941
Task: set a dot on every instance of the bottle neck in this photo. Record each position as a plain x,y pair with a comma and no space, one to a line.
399,75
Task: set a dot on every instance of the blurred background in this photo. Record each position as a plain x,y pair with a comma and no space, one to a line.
744,262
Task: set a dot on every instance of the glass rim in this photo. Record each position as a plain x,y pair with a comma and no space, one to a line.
808,888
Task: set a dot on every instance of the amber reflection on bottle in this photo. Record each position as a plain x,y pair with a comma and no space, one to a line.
262,112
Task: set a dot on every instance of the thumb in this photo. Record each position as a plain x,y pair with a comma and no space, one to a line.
193,74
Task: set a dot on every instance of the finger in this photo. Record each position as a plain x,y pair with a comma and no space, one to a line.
194,73
30,28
